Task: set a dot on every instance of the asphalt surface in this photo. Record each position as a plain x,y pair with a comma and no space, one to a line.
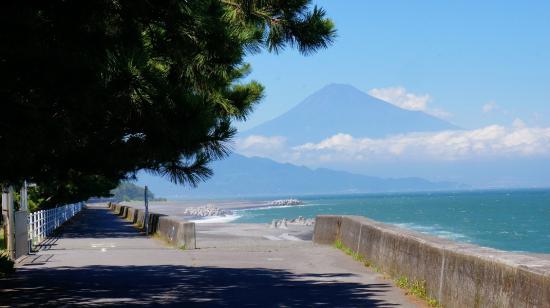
98,259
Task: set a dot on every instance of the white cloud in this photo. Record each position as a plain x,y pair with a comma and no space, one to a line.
399,97
491,142
260,145
493,107
518,123
440,113
490,106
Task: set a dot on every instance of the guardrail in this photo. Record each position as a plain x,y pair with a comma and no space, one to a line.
43,223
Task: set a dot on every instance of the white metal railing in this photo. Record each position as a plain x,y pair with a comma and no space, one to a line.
43,223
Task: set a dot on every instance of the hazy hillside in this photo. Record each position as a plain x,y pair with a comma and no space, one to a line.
127,191
242,176
339,108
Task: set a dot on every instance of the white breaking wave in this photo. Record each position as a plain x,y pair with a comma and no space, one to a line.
216,219
269,207
434,230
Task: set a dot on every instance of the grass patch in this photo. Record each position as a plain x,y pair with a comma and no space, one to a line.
416,288
2,242
356,256
413,287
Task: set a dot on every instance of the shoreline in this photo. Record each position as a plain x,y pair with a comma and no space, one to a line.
177,207
222,204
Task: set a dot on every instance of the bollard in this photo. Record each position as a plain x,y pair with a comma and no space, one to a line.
146,221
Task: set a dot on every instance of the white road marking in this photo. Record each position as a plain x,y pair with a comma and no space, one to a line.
275,259
289,237
99,245
272,238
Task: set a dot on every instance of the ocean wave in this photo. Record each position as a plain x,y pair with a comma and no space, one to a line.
434,230
271,207
216,219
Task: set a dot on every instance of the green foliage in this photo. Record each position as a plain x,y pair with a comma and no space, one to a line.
36,199
6,264
93,91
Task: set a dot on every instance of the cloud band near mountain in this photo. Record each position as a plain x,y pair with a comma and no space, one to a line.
491,142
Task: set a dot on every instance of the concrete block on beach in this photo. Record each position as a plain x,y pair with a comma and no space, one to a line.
456,274
178,233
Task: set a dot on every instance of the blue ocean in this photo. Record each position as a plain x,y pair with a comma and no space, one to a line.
514,220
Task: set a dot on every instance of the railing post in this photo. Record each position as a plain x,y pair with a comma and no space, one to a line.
48,221
40,225
33,227
30,228
37,225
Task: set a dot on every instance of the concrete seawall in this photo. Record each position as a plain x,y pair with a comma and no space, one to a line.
456,274
180,234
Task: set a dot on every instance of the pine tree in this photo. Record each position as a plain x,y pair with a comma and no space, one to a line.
93,91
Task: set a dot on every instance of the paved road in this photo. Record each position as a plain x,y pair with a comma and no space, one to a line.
98,259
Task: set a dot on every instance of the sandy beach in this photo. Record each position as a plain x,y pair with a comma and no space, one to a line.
220,226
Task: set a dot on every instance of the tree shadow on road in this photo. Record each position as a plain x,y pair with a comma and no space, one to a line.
170,285
97,223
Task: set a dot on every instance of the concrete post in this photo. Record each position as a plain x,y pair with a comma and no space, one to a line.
5,218
24,198
146,220
25,206
8,213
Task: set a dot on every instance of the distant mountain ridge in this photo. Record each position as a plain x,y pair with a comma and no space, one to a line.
334,109
240,176
340,108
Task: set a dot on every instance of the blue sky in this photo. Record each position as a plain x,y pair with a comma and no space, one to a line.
462,55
